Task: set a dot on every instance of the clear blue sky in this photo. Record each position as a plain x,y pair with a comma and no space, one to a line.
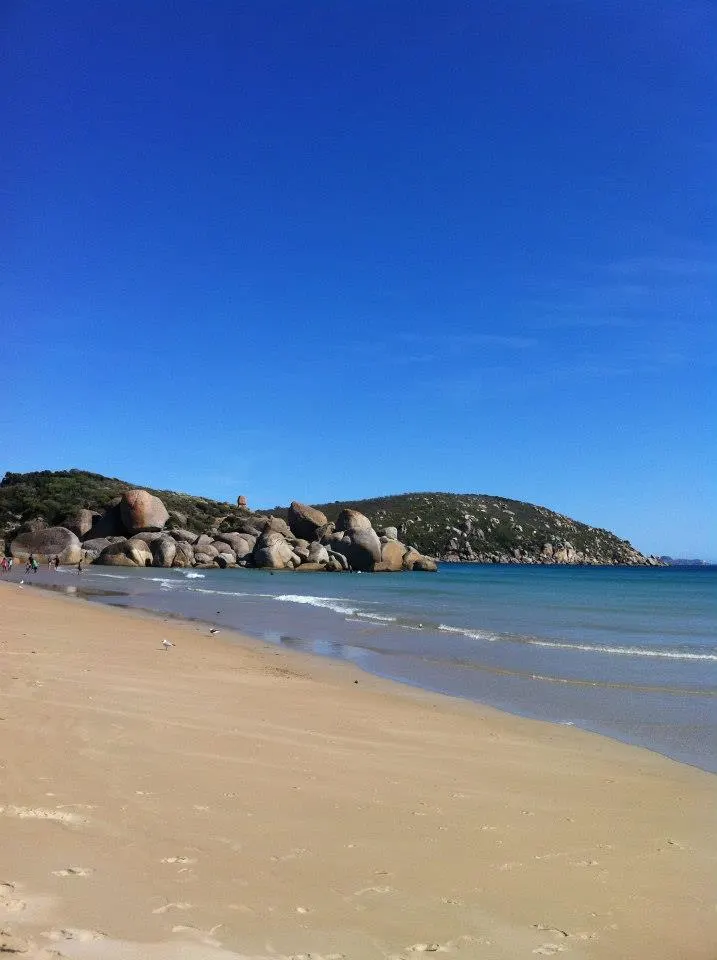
335,249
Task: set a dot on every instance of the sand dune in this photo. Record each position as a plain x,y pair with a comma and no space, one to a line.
223,799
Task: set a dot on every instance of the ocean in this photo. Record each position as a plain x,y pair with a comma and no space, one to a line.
626,652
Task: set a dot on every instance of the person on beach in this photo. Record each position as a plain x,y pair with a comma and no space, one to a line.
32,564
79,568
10,561
3,565
56,561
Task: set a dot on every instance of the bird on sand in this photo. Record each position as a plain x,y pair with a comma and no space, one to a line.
214,631
167,644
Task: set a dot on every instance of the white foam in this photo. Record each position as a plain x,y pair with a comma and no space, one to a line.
327,603
473,634
191,575
377,616
625,651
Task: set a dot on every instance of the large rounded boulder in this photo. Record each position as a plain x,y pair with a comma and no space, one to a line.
304,521
126,553
141,510
164,550
392,556
47,543
350,521
362,548
272,552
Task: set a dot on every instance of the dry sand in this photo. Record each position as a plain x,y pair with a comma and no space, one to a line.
225,798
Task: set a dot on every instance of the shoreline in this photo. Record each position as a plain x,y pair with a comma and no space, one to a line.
248,799
438,664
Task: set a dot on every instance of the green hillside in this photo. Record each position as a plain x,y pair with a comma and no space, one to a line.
55,495
483,528
452,527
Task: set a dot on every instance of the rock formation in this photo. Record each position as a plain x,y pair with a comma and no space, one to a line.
44,544
142,511
386,534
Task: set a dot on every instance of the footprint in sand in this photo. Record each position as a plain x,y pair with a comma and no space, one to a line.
178,860
8,901
425,948
73,872
549,949
74,933
364,890
12,944
203,936
172,906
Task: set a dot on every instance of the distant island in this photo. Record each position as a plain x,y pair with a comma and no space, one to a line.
78,515
684,562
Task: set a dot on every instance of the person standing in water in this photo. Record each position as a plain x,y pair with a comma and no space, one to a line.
79,568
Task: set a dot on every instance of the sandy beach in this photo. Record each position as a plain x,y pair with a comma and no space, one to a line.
224,798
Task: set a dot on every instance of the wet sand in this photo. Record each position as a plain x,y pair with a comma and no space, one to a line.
217,800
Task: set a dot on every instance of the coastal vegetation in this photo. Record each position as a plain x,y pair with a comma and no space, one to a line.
469,528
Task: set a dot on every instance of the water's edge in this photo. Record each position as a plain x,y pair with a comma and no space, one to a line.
420,673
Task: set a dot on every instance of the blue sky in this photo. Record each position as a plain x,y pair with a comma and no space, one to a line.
327,250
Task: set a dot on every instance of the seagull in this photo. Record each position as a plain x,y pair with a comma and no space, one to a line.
214,631
167,644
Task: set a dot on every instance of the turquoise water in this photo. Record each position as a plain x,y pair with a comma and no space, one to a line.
629,652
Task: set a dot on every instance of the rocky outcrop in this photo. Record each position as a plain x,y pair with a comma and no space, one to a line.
392,556
108,523
81,522
184,554
181,534
272,551
99,543
164,550
44,544
141,510
361,547
350,521
318,553
126,553
241,543
304,521
265,542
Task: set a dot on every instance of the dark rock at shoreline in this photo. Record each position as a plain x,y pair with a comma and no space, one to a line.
183,555
164,550
46,543
126,553
271,551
